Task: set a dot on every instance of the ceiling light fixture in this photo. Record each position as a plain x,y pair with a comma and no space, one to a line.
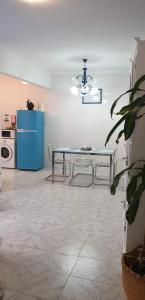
35,1
24,82
83,84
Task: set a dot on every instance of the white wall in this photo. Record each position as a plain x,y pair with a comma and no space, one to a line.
13,64
68,122
136,232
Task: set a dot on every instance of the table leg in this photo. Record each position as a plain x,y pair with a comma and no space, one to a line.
53,157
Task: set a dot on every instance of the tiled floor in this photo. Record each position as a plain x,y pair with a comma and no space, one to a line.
59,242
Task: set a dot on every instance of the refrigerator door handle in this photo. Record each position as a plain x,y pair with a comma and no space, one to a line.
26,130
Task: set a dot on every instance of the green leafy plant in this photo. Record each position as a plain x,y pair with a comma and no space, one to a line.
129,116
129,112
134,189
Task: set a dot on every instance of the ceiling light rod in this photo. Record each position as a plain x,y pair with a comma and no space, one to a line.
84,76
83,84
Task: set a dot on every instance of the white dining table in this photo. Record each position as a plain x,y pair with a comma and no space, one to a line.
98,152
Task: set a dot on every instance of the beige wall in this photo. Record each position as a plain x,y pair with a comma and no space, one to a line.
67,121
13,94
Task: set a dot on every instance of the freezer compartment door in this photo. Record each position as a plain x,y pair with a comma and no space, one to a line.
26,151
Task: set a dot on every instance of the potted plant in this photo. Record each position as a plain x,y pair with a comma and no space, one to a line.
133,273
133,263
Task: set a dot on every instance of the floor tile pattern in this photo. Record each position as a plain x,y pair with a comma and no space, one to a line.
58,240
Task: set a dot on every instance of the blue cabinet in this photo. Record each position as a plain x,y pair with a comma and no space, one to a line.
30,140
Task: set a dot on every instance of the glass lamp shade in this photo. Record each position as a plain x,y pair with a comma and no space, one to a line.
80,90
84,90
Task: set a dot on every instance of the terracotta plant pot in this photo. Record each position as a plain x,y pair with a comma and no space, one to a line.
134,284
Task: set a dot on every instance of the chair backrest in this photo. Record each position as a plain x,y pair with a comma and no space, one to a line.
83,161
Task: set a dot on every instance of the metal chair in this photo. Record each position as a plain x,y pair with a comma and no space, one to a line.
81,163
65,164
98,164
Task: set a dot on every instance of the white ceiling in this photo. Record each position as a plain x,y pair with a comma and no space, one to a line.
58,33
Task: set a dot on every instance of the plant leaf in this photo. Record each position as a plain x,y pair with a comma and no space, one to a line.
138,102
114,128
136,86
115,102
129,124
120,174
131,188
134,89
140,116
117,178
119,136
143,175
124,109
134,205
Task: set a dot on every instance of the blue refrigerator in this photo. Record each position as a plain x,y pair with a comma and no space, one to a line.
30,140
